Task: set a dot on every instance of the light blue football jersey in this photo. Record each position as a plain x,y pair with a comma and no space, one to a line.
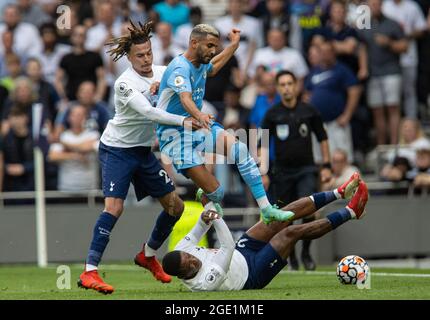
181,76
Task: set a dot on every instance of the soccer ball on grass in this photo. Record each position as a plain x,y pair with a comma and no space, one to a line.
352,269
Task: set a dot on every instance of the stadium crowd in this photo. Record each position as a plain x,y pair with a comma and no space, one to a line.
368,76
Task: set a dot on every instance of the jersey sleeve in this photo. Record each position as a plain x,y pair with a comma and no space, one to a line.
179,80
131,97
225,252
317,125
209,67
267,122
194,236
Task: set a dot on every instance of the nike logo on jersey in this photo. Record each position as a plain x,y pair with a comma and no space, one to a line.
321,77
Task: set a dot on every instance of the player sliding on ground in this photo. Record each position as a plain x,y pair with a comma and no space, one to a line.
181,92
125,156
261,253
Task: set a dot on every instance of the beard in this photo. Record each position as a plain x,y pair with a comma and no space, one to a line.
202,58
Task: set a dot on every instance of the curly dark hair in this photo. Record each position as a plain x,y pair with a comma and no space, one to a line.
138,34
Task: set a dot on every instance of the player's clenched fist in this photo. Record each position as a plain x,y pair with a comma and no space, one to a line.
209,215
234,35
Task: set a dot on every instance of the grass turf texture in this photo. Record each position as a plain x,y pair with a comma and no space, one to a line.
132,282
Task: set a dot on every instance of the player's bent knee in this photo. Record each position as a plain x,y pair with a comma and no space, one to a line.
239,152
179,207
217,195
292,232
114,207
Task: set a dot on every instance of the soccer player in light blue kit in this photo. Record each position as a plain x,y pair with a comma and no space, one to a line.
181,92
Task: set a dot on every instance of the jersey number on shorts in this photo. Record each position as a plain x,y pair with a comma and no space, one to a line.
166,176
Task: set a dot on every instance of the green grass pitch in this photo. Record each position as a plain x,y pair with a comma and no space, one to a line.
131,282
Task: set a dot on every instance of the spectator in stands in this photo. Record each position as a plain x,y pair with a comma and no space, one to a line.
276,17
52,51
251,37
97,112
408,14
1,163
333,89
265,100
277,56
78,66
183,32
236,116
384,42
27,41
308,16
46,91
403,157
341,168
173,12
423,82
18,153
163,46
420,174
13,71
76,154
31,12
344,38
24,96
7,41
106,27
228,76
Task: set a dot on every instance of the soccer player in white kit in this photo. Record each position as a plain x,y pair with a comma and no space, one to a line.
125,156
262,252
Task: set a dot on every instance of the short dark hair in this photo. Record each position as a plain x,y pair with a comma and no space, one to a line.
284,73
48,26
196,11
172,263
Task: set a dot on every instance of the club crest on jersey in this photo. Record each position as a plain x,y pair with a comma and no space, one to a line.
303,130
210,277
179,81
282,130
123,89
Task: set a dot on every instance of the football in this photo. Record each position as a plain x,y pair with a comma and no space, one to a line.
352,269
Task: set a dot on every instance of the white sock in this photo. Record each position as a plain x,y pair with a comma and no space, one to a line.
351,212
337,194
149,252
90,267
263,202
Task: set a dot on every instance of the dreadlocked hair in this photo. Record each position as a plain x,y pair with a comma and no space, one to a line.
138,34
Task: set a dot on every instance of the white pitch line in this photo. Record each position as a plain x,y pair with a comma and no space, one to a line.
381,274
118,267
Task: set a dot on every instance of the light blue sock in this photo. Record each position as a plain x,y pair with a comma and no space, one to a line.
248,169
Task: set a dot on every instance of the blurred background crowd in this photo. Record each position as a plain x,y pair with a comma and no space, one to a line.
367,71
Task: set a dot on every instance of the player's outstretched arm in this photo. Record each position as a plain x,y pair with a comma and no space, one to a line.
225,253
197,232
222,58
190,106
143,106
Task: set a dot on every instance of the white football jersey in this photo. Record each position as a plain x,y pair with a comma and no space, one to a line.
211,275
129,128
